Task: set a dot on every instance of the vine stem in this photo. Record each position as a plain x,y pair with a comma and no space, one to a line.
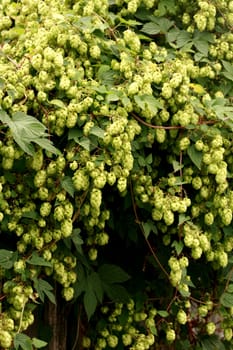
170,127
147,241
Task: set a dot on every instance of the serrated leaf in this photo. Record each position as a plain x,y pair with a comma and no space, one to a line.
183,218
202,46
148,226
22,341
195,156
228,66
57,103
76,239
162,313
178,246
97,131
183,38
2,83
47,145
38,343
90,303
7,258
148,101
177,166
37,260
67,185
226,299
112,97
106,76
50,296
116,292
212,342
85,143
151,28
75,134
44,288
110,273
27,130
31,215
94,282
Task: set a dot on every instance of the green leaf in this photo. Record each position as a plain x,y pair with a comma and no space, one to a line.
110,273
2,83
228,69
44,288
97,131
50,296
178,246
151,28
162,313
149,226
57,103
195,156
7,258
37,260
76,238
106,76
75,134
226,299
202,46
47,145
183,38
148,101
116,293
38,343
90,302
31,215
27,130
183,218
67,185
85,143
177,166
212,342
22,341
94,282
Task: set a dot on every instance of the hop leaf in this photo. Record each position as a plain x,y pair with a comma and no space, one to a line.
27,130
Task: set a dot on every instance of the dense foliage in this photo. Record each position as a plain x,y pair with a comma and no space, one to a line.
116,170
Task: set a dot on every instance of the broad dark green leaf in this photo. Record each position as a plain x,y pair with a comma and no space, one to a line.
97,131
67,185
7,258
38,343
95,283
76,239
44,288
202,46
57,103
22,341
212,342
85,142
27,130
163,313
90,302
31,215
110,273
178,246
117,293
195,156
37,260
226,299
75,134
151,28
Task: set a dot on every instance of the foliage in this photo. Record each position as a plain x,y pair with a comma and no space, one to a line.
115,170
